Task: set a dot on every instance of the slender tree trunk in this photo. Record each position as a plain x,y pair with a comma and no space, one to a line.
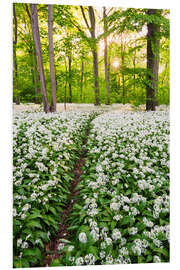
96,77
95,55
122,64
156,68
106,58
51,57
65,88
32,68
166,68
119,81
85,82
70,85
36,79
36,37
82,77
35,72
152,63
93,44
14,55
134,75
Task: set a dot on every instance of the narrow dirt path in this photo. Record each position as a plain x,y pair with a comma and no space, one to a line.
52,251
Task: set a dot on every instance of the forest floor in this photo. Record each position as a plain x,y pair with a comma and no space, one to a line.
87,107
52,248
96,152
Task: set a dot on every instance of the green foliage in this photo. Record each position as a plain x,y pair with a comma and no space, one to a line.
38,202
128,42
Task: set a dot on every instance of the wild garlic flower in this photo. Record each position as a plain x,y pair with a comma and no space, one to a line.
79,261
82,237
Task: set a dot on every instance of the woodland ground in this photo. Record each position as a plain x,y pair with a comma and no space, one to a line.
91,185
87,107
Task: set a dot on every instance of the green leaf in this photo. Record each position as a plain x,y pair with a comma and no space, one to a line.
64,240
19,263
148,213
149,258
77,206
34,216
34,223
140,259
162,251
94,251
113,224
32,253
53,210
126,220
55,263
42,235
140,226
72,227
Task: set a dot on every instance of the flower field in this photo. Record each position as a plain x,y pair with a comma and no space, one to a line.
122,212
45,148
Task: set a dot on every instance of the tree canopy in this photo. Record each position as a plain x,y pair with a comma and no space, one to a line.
97,55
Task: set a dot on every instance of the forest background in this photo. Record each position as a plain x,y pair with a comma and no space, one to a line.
86,54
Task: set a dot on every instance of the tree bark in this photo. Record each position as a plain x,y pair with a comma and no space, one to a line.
51,57
35,72
14,55
106,58
36,37
36,79
134,66
93,45
82,78
96,77
65,84
70,85
153,43
122,73
95,54
85,81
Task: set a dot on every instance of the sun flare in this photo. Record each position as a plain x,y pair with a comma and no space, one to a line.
116,63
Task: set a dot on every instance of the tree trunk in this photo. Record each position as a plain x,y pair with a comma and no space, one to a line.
85,82
96,77
122,64
65,85
95,54
166,68
93,45
36,37
51,57
134,75
14,55
106,58
70,86
35,73
36,79
152,63
82,77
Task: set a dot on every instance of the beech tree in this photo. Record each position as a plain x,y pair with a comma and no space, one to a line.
82,76
153,41
36,37
51,57
93,44
14,55
106,64
34,69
